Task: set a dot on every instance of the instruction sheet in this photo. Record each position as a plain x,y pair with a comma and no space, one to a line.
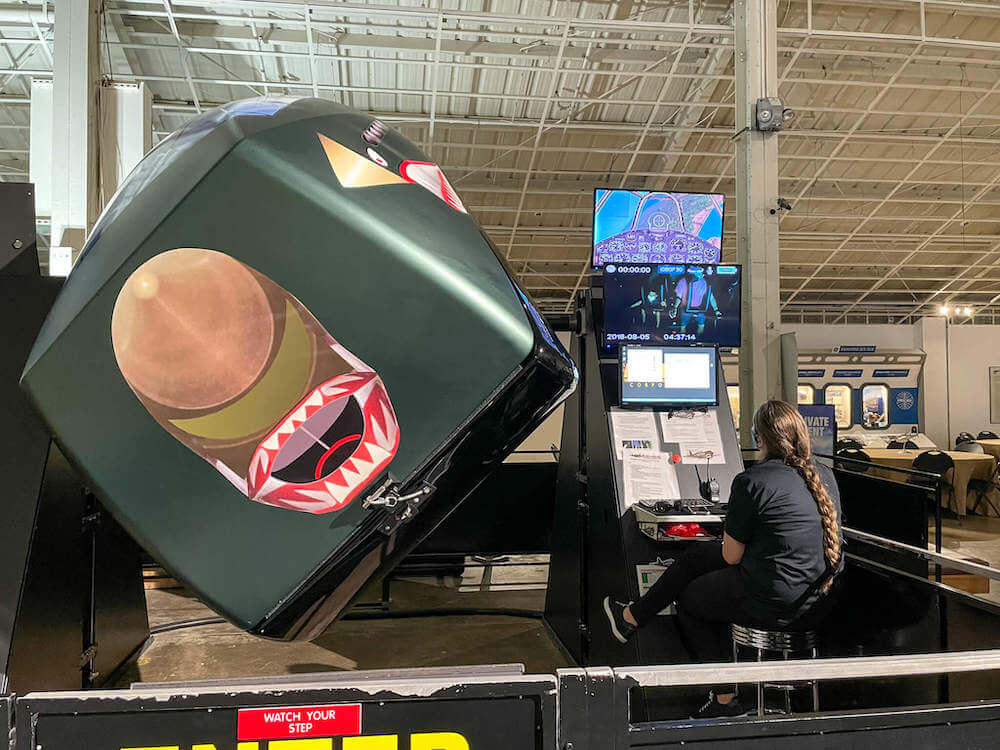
697,434
637,429
648,477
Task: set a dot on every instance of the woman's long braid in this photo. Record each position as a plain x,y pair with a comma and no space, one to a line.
827,514
791,442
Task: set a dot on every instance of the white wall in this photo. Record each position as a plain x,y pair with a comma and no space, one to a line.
971,351
955,394
816,336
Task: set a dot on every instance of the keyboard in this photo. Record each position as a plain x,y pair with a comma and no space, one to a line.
696,502
689,505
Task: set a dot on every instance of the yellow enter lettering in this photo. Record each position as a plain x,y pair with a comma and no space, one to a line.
321,744
247,746
378,742
438,741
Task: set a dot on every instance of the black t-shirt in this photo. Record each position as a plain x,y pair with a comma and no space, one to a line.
772,512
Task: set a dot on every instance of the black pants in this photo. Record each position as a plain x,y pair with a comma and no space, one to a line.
710,594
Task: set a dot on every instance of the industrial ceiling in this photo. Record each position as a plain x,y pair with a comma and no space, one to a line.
892,165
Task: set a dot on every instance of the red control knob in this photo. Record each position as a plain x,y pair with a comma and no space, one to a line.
676,458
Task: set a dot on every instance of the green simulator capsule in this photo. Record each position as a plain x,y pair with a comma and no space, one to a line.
286,353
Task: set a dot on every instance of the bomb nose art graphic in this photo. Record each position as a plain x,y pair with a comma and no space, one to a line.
239,371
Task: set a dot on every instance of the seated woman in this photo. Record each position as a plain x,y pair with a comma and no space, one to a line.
776,563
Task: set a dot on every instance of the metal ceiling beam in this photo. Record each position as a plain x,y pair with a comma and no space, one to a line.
492,20
553,87
913,237
654,110
945,68
956,215
181,55
27,13
853,64
477,123
489,20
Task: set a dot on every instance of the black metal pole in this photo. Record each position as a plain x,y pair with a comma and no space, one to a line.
937,525
583,506
89,655
943,686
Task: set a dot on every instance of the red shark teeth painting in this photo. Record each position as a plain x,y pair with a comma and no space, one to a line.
329,448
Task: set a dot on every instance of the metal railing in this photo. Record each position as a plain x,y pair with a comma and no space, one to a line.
937,489
934,557
855,667
603,708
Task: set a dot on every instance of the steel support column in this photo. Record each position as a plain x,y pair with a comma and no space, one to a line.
756,193
74,126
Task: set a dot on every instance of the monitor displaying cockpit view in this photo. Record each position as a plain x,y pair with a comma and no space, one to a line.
678,303
642,226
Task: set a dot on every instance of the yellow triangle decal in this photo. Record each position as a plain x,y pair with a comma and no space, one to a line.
353,170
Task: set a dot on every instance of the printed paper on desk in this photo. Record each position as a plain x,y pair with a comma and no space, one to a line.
648,477
636,427
698,435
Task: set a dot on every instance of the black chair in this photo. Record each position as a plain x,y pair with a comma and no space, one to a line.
847,443
963,437
934,462
857,455
987,435
983,488
968,447
902,445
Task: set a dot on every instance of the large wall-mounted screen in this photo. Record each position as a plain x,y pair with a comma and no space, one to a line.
672,303
642,226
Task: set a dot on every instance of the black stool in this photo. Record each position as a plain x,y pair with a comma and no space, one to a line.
776,641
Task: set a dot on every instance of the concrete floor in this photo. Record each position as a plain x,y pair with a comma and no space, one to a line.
224,651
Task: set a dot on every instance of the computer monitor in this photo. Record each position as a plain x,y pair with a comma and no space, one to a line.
672,303
669,375
643,226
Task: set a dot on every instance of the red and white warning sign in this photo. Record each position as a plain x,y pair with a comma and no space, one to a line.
298,721
430,176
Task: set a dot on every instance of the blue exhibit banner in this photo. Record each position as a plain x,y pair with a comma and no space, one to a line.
822,423
904,373
811,373
903,406
847,373
865,349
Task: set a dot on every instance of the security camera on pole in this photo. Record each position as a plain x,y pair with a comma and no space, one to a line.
760,115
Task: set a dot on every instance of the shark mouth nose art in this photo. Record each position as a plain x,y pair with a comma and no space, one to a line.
237,369
332,445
